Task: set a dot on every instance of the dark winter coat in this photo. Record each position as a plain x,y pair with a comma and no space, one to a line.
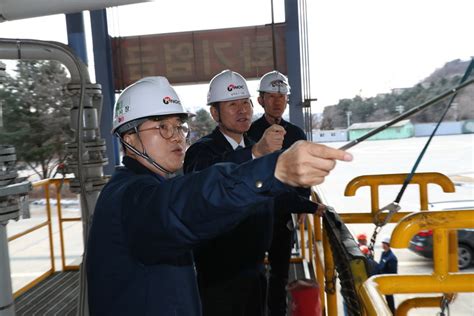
139,253
242,248
388,263
291,202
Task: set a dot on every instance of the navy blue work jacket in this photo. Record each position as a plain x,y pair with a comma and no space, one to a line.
243,248
139,253
388,263
293,132
296,203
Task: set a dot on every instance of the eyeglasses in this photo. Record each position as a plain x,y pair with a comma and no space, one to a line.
168,130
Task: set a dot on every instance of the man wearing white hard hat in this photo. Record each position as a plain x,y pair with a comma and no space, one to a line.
274,90
388,265
236,287
147,222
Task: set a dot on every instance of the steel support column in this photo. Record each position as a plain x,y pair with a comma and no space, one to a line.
293,62
76,36
104,76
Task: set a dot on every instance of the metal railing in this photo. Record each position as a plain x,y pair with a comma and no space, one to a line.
322,259
445,277
316,250
45,185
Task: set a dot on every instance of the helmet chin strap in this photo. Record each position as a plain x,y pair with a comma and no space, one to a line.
144,155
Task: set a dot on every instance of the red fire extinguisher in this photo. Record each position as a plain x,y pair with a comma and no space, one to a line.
305,299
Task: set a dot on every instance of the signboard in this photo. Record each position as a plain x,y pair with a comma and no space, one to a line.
192,57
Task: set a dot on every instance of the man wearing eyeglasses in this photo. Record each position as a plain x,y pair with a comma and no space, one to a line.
147,221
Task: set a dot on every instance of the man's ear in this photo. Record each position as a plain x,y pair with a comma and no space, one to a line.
215,113
260,101
129,139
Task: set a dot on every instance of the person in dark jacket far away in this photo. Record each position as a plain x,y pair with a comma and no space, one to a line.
388,265
372,265
147,222
273,97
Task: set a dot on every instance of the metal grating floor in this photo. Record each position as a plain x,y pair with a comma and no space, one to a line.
57,295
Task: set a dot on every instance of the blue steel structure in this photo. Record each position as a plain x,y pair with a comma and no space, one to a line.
103,71
104,76
76,35
293,62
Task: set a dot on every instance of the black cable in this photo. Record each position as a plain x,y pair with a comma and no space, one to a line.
423,151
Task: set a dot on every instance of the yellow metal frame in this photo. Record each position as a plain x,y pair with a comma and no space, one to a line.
58,184
444,279
45,184
322,259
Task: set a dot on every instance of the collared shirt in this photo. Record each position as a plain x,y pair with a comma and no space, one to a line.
233,143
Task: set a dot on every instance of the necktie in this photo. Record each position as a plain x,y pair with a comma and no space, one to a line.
238,147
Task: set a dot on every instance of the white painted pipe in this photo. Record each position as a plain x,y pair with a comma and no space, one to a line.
24,49
23,9
7,307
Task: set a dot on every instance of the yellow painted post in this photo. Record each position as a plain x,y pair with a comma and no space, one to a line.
330,278
60,223
453,251
423,196
50,226
310,238
319,261
440,252
302,241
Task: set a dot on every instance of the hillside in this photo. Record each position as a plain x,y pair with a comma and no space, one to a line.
386,106
451,69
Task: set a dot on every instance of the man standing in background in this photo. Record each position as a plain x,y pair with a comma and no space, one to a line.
230,267
273,97
388,265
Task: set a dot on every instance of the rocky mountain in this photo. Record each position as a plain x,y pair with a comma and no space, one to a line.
451,69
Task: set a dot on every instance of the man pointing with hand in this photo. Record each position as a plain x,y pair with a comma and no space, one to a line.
148,221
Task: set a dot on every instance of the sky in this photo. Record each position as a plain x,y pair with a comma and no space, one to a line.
360,47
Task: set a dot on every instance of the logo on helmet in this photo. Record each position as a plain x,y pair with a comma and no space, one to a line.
234,87
168,100
278,83
118,109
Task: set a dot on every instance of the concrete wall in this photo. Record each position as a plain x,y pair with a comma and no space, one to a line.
446,128
321,136
406,131
397,132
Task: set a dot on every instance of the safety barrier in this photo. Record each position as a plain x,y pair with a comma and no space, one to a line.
45,185
323,263
444,279
319,255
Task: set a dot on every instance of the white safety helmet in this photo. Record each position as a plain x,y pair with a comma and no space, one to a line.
227,86
148,97
274,82
386,240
